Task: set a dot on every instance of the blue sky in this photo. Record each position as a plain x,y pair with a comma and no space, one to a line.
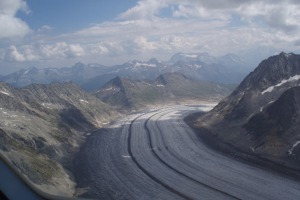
56,33
71,15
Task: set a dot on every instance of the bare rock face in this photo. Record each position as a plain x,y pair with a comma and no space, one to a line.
261,116
42,127
275,130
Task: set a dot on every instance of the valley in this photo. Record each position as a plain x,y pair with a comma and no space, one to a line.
155,155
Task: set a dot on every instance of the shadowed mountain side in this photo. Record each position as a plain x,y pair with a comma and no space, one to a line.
275,130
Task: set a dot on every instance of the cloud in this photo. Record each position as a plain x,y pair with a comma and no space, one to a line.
280,15
159,28
60,50
144,9
44,28
10,25
297,43
12,54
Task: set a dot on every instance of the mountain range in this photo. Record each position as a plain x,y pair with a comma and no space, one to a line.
261,116
225,69
168,88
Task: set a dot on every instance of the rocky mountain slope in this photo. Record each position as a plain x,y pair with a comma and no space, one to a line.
225,69
168,88
275,130
41,128
261,116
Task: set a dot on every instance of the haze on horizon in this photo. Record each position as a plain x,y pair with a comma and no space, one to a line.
54,33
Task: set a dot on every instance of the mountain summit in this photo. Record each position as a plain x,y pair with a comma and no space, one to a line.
261,115
264,85
168,88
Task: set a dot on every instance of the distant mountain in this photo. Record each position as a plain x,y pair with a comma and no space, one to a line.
188,57
261,115
228,59
136,70
42,127
226,69
166,89
79,73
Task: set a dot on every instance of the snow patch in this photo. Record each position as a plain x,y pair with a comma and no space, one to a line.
190,55
26,72
160,85
294,145
207,107
251,116
107,89
147,84
138,64
126,156
198,66
288,54
3,92
271,88
84,101
48,105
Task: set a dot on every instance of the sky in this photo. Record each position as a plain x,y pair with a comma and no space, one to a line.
55,33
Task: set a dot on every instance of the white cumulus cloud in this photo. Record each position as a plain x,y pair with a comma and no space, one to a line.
60,50
10,25
12,54
160,28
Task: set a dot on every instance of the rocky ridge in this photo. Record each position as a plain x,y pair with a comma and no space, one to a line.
260,117
168,88
42,127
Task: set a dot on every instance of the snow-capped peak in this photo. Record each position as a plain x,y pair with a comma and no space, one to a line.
190,55
287,55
